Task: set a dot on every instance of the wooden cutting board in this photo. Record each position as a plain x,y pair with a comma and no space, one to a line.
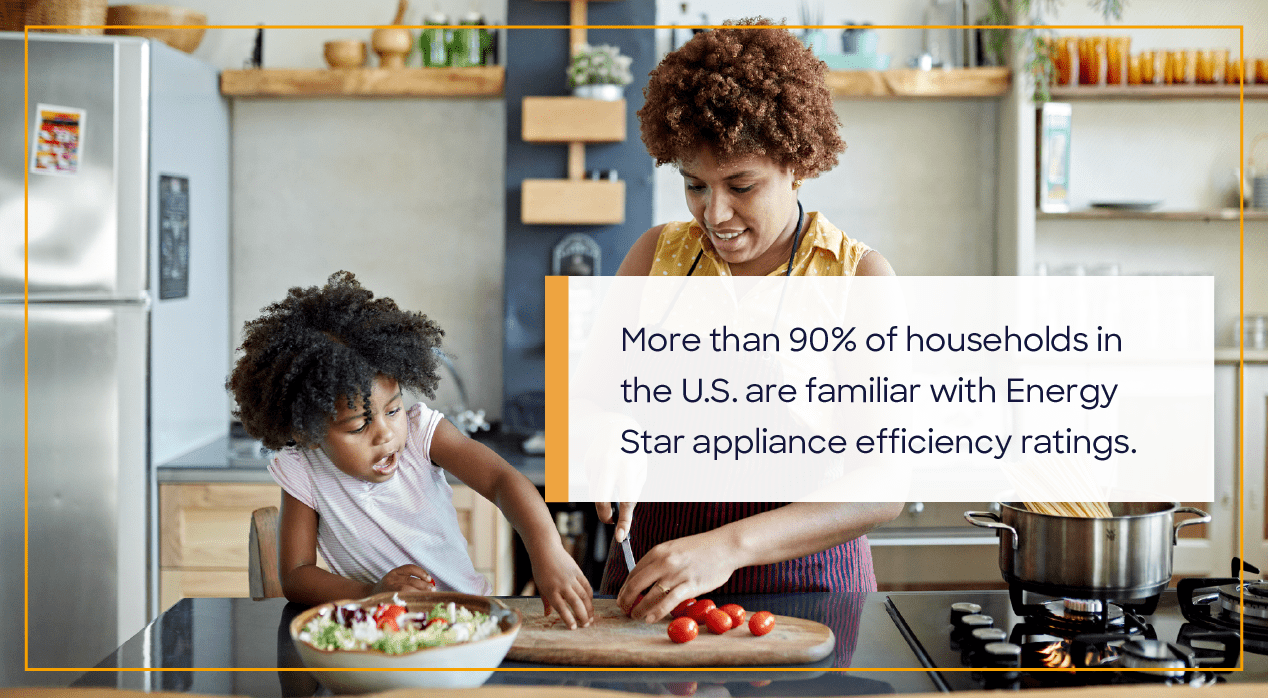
616,641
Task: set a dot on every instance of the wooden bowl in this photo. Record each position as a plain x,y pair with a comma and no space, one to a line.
345,53
128,20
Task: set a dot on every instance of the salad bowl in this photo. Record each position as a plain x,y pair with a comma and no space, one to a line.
460,665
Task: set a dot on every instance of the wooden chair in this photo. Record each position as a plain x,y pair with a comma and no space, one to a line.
262,567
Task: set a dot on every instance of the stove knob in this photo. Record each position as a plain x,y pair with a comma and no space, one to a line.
1001,655
962,609
974,621
971,648
1004,655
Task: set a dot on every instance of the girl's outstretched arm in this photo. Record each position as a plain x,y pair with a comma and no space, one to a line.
562,585
304,582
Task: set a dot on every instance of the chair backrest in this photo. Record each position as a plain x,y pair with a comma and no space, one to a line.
262,568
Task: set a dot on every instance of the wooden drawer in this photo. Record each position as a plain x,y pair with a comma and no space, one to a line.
205,525
203,541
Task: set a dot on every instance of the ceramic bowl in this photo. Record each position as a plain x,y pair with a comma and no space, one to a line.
481,656
178,38
345,53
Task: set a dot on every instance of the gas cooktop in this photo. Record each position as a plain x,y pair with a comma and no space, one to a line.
1004,639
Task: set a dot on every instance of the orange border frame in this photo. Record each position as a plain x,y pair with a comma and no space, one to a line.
557,339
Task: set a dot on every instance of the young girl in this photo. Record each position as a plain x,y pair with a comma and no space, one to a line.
321,380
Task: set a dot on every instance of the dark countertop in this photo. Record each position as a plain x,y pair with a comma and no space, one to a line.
230,459
245,634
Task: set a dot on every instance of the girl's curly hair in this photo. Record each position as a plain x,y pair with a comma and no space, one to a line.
319,344
742,91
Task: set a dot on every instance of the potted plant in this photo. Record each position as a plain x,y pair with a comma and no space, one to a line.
1034,52
599,72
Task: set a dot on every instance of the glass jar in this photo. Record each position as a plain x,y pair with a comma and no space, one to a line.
1257,331
466,47
433,45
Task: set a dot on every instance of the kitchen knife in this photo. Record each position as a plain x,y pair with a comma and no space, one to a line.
625,544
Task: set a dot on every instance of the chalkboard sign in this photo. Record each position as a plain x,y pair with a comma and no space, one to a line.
173,219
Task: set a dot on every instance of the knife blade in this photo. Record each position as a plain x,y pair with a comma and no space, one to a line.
625,544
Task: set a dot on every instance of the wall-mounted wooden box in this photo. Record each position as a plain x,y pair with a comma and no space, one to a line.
572,202
573,119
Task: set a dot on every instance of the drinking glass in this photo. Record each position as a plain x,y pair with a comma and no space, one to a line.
1117,49
1179,67
1133,70
1233,71
1066,58
1149,72
1203,67
1091,60
1219,64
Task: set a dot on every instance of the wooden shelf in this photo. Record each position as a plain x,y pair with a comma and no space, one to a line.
1154,92
1096,214
924,84
572,202
484,81
572,119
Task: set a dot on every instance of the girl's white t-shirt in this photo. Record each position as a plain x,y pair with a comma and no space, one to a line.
365,530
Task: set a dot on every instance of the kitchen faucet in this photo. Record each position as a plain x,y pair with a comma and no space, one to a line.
467,420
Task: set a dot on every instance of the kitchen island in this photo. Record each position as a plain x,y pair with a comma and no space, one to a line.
249,643
885,642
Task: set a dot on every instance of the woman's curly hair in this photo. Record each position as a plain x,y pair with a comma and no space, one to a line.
319,344
742,91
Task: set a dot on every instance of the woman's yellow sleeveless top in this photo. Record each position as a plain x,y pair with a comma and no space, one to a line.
823,251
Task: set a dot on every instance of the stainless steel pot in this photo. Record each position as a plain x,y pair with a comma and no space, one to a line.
1126,557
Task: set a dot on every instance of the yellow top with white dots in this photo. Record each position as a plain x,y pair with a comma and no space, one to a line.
824,250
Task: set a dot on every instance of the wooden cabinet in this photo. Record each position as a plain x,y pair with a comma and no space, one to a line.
204,528
203,537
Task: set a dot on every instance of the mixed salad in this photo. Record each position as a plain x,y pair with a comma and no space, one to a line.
392,629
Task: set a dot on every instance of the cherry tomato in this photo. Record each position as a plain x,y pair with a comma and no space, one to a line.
759,684
737,613
700,609
683,630
718,621
637,601
434,621
681,609
761,623
682,688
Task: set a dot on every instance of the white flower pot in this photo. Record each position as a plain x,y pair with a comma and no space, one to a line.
607,93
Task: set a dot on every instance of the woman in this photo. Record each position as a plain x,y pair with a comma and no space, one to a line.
745,115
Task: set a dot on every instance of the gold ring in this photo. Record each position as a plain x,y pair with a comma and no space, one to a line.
662,588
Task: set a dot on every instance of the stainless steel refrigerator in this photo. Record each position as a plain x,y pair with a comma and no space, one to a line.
126,265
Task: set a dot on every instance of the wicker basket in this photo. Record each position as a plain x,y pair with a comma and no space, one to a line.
17,14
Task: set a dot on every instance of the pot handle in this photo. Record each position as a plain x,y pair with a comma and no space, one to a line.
1203,517
974,516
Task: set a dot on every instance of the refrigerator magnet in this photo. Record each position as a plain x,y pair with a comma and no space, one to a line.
59,140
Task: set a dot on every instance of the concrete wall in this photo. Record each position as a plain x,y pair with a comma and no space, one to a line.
406,193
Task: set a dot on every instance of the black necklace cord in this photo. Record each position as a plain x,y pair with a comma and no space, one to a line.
801,215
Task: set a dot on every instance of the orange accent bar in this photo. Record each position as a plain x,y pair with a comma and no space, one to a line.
557,388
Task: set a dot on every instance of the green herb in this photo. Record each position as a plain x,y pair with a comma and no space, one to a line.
1034,48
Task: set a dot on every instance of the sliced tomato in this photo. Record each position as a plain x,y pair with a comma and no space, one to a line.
385,616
